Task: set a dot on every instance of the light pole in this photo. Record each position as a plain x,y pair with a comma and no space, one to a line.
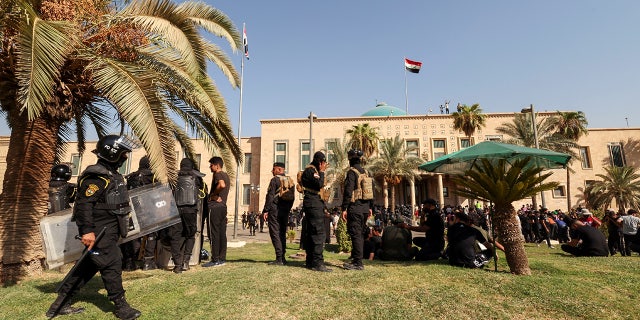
535,138
311,118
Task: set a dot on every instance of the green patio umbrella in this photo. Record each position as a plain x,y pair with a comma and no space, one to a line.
462,160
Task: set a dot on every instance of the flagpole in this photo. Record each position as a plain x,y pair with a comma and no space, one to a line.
235,214
406,91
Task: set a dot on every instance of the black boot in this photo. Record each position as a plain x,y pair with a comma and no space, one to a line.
185,262
177,266
149,264
64,310
123,310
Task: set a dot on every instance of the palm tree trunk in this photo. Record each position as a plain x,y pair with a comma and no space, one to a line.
22,203
393,198
510,235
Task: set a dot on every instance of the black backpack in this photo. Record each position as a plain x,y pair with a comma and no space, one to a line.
186,191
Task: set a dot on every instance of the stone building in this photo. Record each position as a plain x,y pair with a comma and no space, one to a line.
293,140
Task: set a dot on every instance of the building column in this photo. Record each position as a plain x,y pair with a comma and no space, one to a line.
412,185
440,191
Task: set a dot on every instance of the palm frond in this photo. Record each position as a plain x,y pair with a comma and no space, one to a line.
42,51
212,20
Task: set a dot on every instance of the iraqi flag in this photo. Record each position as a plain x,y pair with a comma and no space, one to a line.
244,42
412,66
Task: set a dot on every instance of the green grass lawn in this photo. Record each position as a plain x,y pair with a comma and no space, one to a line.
561,287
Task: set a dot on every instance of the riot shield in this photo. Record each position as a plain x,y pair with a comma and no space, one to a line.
153,209
163,258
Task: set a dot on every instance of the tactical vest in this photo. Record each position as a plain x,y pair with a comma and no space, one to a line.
116,196
186,190
364,186
58,199
287,190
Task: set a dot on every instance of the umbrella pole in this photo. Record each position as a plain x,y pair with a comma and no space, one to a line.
493,238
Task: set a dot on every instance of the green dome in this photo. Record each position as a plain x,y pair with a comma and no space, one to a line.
384,110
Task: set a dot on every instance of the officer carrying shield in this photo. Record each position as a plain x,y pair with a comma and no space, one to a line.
102,203
61,192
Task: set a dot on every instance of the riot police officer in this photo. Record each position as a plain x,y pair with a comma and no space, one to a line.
189,191
142,177
312,181
102,203
356,207
61,192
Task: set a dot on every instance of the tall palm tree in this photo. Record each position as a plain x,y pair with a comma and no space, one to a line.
521,133
469,119
68,64
338,167
572,126
501,184
395,163
621,184
364,137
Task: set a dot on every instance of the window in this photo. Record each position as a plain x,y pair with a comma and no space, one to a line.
331,145
616,154
305,158
559,192
246,194
413,148
439,148
76,162
197,160
496,138
465,143
246,166
280,154
445,192
584,157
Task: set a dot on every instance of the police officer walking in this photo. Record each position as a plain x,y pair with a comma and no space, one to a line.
189,191
312,181
61,192
277,205
357,204
102,203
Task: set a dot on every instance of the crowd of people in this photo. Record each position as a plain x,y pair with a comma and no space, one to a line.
461,235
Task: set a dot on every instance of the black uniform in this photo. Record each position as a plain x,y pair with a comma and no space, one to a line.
130,249
92,214
462,240
61,195
190,189
357,214
432,244
313,180
218,218
277,218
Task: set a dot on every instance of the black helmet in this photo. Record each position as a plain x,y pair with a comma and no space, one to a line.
111,148
354,154
60,172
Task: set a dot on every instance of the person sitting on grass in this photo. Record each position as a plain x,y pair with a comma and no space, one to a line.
586,241
396,243
462,243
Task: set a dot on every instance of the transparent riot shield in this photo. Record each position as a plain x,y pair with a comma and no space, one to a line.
164,249
153,208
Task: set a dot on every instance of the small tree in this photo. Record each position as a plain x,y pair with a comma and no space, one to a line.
501,183
342,236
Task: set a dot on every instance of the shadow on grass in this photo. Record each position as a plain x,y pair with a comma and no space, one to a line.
88,293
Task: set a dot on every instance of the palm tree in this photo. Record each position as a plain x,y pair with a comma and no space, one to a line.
469,119
571,125
338,167
621,184
395,163
522,133
500,184
365,138
68,64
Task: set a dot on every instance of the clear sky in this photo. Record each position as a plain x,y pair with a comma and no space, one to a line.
339,57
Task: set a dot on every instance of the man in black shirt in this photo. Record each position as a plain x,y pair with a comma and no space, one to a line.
586,241
313,205
462,240
218,213
432,244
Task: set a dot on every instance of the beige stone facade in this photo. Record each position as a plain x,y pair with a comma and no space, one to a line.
287,140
